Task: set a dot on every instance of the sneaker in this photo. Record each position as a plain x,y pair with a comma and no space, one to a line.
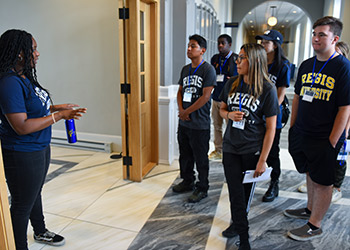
304,233
302,188
336,195
49,238
197,196
272,192
297,213
215,155
230,232
183,187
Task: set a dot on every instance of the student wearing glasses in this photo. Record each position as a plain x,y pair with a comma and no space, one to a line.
250,104
320,112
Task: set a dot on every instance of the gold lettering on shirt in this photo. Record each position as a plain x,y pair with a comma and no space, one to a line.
320,94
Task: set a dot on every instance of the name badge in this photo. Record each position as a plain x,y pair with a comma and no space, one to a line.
220,78
342,156
308,96
187,97
240,124
347,146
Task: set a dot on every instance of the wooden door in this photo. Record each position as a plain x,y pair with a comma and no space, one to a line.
142,53
145,86
6,235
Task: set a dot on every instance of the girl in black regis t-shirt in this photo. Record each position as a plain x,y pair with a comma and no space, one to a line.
250,104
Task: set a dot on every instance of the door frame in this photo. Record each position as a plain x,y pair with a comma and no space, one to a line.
136,170
7,241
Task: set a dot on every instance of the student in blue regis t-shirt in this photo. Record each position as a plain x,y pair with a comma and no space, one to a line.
25,131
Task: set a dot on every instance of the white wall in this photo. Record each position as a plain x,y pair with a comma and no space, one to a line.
79,60
345,17
305,32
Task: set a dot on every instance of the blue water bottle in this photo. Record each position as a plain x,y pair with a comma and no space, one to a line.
71,133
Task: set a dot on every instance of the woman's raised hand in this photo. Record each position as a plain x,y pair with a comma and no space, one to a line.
75,113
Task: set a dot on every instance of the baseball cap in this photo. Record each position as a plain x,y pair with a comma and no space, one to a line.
271,35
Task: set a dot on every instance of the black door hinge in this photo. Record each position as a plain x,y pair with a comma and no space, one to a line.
123,13
127,160
125,88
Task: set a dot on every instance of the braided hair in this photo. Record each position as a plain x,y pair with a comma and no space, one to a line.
12,43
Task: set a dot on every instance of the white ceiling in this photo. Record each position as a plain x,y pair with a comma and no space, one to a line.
255,22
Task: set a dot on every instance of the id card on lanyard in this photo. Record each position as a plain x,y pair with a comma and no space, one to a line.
187,94
239,124
309,94
221,76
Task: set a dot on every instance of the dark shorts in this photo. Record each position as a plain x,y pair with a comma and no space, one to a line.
314,156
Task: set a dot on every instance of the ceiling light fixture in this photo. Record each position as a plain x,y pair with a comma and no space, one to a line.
272,20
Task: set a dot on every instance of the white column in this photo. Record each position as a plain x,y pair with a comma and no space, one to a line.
168,121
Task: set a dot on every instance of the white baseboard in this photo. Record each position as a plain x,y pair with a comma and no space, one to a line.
113,140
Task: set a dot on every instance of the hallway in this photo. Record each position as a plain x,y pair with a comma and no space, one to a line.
88,202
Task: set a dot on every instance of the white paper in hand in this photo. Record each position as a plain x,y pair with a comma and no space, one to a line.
248,177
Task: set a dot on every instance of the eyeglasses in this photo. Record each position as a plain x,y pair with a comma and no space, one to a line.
240,58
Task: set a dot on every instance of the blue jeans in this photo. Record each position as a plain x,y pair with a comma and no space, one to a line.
25,175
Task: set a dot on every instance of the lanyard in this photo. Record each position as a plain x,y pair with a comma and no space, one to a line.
189,73
227,57
270,67
313,69
341,163
240,97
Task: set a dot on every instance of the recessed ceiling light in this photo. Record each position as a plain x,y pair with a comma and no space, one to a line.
252,26
249,12
287,21
294,11
251,21
282,26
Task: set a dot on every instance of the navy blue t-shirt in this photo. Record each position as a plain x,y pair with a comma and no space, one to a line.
332,90
19,96
280,77
228,69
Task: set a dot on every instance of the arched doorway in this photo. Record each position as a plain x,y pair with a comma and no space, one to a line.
292,22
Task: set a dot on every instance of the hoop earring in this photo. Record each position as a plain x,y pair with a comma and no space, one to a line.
20,58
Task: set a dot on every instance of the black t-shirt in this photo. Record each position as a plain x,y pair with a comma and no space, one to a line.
250,139
203,77
228,70
332,90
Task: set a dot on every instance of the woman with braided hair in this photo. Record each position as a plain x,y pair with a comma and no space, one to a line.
26,116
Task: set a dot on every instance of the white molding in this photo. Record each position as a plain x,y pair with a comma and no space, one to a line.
168,146
114,139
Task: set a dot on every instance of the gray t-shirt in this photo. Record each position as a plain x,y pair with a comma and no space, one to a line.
250,139
204,76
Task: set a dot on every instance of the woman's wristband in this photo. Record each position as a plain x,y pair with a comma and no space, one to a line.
53,118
